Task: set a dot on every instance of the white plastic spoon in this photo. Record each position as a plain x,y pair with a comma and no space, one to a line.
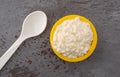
33,25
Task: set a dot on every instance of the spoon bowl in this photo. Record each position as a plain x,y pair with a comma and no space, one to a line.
34,24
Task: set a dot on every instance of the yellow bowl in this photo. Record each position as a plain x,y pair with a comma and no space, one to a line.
93,45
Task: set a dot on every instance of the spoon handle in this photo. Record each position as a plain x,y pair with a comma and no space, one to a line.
7,55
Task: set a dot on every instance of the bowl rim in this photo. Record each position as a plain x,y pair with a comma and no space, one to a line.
93,45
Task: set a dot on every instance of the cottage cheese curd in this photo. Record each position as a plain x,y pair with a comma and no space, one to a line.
72,38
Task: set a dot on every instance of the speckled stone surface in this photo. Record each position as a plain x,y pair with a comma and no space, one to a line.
34,58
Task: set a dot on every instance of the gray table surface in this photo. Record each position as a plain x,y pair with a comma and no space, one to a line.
34,58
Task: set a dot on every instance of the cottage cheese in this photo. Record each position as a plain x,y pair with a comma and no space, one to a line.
73,38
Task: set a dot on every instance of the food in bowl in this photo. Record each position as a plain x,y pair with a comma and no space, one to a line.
72,38
93,42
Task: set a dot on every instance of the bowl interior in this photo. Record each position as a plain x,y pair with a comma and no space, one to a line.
93,45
